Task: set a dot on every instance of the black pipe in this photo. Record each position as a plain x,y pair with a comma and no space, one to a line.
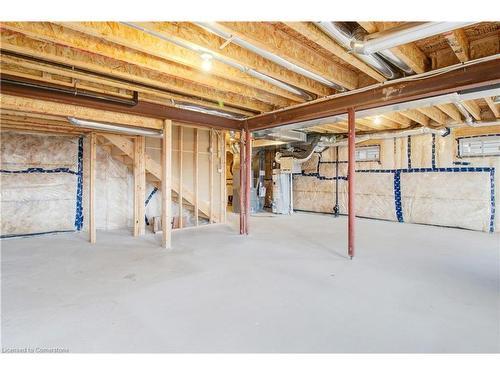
336,207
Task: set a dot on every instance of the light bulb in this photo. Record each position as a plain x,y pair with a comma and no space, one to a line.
206,64
377,120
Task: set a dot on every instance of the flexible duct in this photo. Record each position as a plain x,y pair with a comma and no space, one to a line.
403,34
343,35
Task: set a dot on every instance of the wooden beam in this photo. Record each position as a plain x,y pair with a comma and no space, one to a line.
222,158
435,114
416,116
139,185
409,53
151,45
473,108
493,107
181,170
22,44
398,118
196,173
267,37
53,33
44,107
92,167
311,32
198,37
451,111
457,40
166,185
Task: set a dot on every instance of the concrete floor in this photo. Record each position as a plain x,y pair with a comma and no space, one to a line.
288,287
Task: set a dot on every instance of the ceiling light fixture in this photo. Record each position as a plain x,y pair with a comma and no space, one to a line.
377,120
206,64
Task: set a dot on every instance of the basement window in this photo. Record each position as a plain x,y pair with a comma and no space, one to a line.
479,146
368,153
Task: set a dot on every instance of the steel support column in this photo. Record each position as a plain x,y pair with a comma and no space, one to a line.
350,178
248,177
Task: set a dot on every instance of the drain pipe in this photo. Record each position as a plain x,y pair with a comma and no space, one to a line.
339,32
403,34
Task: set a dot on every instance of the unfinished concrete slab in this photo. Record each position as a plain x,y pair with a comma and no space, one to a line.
287,287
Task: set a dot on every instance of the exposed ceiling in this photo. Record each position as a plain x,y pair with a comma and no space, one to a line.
252,67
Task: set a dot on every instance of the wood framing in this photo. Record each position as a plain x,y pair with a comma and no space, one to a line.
181,180
196,210
139,185
267,37
211,177
166,185
92,168
458,42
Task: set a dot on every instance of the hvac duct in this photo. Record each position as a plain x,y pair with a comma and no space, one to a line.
268,55
403,34
344,36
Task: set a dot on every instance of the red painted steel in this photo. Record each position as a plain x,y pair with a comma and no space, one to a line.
350,179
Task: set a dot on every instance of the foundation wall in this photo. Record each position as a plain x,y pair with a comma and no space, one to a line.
41,190
417,180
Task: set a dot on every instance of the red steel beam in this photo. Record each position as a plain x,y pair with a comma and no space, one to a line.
465,77
351,173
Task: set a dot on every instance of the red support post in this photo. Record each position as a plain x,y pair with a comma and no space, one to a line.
242,181
248,179
350,178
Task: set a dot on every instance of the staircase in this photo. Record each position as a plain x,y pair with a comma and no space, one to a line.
121,148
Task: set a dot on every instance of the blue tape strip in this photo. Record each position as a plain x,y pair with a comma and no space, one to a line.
397,196
433,157
409,152
492,200
40,170
79,188
147,201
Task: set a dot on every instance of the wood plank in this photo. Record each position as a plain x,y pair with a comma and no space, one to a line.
451,111
457,40
398,118
198,37
267,37
92,168
211,178
416,116
435,114
38,106
196,173
181,170
132,38
166,185
311,32
20,43
473,108
139,185
493,107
